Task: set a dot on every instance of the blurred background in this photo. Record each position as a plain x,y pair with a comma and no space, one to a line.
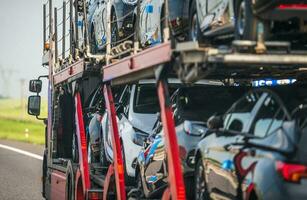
20,60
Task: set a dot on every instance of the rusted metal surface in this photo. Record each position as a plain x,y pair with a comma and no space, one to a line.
69,72
134,65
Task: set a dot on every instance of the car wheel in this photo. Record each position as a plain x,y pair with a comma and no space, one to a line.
246,22
140,185
102,155
75,153
194,29
114,31
200,184
93,42
128,179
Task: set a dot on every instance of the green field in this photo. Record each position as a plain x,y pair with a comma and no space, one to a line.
16,124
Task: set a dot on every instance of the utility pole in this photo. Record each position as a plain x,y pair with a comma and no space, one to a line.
6,75
22,97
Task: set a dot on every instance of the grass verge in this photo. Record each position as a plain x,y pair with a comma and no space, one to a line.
15,124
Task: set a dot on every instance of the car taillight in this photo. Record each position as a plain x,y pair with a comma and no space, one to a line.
292,6
292,172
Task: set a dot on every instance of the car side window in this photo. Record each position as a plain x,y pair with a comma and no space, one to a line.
239,116
269,117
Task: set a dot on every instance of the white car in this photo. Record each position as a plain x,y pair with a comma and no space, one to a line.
136,115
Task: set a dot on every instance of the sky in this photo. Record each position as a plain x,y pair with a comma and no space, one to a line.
20,45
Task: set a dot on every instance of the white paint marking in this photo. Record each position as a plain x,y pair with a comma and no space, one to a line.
26,153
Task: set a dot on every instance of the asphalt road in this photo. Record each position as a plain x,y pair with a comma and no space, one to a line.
20,175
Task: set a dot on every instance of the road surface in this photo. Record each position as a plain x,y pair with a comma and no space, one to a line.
20,175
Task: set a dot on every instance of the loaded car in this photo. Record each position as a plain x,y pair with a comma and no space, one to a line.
192,107
122,13
151,22
257,149
136,116
212,19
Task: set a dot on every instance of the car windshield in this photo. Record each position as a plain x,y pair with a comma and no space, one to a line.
293,96
198,103
146,99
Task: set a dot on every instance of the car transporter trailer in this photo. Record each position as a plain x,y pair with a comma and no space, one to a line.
188,61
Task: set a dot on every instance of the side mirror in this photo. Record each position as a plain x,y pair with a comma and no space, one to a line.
215,122
34,105
35,86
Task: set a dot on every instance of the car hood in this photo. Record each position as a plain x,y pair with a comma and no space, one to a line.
144,122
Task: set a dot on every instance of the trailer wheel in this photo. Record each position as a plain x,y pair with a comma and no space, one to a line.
70,195
75,153
44,174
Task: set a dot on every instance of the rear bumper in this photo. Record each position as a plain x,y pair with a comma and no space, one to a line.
280,9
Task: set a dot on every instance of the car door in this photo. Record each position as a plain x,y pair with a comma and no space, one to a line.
210,12
220,177
100,21
143,21
155,174
268,118
154,19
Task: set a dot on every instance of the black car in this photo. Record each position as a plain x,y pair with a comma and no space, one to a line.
122,17
214,19
257,149
192,107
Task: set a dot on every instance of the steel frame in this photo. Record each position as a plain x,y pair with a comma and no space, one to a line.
116,168
82,146
176,184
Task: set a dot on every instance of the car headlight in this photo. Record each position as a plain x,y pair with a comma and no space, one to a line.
139,137
130,2
194,128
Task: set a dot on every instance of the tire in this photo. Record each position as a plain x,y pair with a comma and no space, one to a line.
139,186
94,49
128,180
89,155
162,25
75,153
195,33
44,178
114,31
69,182
246,22
102,154
200,183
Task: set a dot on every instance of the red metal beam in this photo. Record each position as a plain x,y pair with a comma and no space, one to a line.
143,60
107,181
117,155
69,72
175,178
83,162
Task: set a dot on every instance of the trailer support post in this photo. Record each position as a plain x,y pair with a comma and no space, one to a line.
82,144
176,184
64,31
117,155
